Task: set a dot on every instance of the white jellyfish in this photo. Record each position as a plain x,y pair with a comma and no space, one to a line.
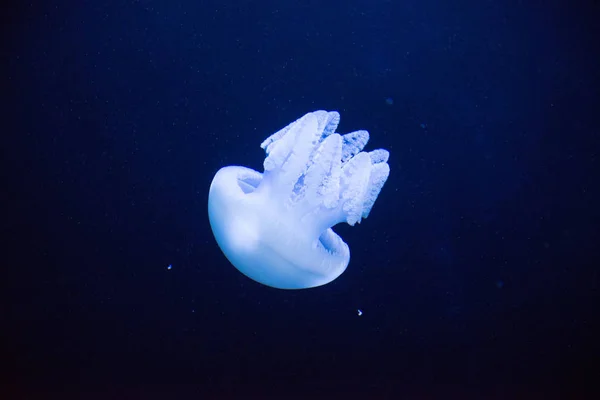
275,227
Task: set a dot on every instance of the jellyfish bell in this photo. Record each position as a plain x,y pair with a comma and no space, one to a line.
267,241
275,227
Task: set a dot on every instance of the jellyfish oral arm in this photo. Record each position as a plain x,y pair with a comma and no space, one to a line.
275,227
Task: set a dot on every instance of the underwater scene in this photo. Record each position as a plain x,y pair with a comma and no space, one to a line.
300,200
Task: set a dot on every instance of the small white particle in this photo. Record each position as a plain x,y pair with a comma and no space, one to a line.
170,266
359,313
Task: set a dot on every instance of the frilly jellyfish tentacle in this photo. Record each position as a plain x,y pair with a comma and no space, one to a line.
275,227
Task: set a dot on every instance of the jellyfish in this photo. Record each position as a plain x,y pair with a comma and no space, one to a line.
276,227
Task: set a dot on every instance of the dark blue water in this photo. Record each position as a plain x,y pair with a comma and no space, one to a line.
476,271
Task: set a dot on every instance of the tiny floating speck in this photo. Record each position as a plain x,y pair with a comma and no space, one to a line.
359,313
170,266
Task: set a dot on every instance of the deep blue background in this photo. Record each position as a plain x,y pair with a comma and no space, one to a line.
476,271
